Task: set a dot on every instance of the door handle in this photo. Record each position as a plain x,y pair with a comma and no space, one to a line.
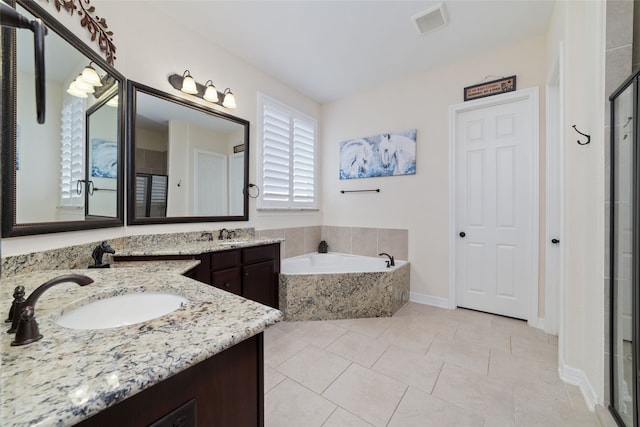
462,234
555,241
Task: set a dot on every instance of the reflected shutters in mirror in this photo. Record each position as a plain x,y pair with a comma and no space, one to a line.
202,153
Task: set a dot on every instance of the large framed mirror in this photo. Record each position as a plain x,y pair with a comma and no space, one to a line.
186,162
66,173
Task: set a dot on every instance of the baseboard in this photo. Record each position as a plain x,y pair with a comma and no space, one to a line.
577,377
429,300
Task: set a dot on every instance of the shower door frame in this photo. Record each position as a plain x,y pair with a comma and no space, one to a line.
634,81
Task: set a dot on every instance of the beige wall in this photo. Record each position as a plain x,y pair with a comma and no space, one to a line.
417,202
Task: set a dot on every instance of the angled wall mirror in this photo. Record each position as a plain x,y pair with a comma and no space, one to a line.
186,162
67,173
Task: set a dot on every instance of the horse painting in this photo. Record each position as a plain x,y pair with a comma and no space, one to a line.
381,155
398,153
355,159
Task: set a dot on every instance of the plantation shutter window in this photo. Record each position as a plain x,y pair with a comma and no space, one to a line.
287,157
72,150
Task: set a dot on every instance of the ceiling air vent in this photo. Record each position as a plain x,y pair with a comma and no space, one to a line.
430,19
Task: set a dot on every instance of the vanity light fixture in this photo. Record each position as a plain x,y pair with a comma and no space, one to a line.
229,100
188,83
208,91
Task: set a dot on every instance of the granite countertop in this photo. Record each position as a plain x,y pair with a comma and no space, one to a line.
164,266
168,246
70,375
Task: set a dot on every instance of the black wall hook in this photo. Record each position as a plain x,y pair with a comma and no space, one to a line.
583,134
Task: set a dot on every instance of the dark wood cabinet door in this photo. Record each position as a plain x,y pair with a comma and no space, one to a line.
258,283
229,280
228,390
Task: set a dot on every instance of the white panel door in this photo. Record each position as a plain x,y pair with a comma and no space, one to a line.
210,189
494,208
236,184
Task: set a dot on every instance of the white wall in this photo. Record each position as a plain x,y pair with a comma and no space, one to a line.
580,26
150,47
418,202
38,179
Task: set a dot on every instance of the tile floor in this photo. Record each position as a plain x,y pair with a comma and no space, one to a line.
423,367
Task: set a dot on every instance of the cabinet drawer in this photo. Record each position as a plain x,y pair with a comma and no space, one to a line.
257,254
229,280
225,259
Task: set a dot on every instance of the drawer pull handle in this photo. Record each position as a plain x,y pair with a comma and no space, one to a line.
227,285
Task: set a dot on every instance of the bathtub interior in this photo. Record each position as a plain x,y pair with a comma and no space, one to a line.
334,262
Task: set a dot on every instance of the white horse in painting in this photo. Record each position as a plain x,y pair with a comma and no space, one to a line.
400,148
355,158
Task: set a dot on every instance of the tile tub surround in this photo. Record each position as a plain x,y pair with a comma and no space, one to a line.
344,295
79,256
363,241
70,375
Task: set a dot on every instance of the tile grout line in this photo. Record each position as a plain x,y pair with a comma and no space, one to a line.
330,415
433,387
398,404
334,380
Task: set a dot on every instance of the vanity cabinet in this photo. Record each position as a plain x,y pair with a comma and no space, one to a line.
249,272
227,390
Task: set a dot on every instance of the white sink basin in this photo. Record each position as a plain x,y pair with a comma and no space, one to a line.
121,310
230,242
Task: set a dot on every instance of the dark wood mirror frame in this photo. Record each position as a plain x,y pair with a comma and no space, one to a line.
10,227
133,89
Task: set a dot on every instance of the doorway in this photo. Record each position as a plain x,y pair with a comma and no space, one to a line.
210,184
494,212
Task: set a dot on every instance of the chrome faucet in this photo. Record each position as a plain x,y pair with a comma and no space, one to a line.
390,262
27,329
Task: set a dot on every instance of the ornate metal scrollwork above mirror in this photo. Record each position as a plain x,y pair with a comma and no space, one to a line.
186,162
65,174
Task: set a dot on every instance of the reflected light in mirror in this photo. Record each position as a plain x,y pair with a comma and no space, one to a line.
113,102
74,91
90,76
82,85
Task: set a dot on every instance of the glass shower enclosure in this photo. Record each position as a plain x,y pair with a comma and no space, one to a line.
624,265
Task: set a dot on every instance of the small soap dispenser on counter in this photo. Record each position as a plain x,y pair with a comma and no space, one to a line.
323,247
97,254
